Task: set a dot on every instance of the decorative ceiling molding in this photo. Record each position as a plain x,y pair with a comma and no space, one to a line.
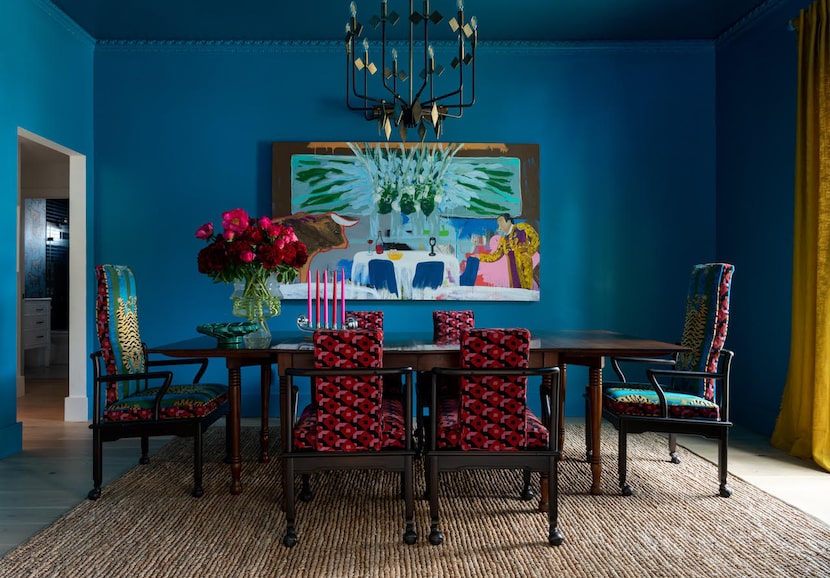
328,46
65,21
748,21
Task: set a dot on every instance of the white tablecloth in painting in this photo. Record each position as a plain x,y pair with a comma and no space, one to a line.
405,270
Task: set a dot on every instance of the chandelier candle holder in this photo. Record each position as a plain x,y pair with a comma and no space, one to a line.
319,302
395,100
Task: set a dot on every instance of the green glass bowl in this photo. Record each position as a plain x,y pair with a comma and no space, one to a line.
228,335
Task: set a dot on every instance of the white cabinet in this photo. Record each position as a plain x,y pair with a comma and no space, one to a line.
37,325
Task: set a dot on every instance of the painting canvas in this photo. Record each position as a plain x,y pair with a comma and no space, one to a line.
422,221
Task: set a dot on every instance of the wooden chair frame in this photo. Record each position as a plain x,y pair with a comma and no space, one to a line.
544,461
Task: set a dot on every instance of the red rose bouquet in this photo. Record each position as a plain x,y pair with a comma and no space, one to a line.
251,250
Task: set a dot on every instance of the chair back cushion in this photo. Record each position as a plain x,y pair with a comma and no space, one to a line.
492,409
448,325
370,320
704,330
116,315
349,409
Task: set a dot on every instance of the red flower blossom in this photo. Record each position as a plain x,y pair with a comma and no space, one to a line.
250,250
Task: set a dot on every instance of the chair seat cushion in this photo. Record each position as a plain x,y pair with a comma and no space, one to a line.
449,428
645,402
305,432
180,402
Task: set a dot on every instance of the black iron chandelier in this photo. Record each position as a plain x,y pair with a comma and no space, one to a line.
397,101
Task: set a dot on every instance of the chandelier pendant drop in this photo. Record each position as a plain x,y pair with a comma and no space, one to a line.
399,99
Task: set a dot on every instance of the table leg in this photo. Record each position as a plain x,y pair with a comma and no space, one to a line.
233,425
265,397
595,423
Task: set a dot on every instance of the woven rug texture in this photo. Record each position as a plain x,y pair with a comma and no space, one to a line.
146,524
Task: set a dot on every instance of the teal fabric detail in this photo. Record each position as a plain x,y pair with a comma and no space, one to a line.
182,401
704,329
634,395
123,319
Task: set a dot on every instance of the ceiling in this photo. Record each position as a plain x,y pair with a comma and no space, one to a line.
523,20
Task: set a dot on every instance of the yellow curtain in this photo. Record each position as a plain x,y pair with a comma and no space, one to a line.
803,425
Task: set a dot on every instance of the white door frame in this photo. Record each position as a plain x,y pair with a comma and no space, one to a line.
76,405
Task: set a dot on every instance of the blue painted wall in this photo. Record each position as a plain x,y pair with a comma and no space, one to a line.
46,69
626,135
653,157
756,105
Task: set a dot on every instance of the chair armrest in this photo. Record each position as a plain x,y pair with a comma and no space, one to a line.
615,363
722,376
202,362
100,380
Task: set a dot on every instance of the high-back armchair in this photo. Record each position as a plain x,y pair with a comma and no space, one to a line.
488,423
350,422
130,399
688,394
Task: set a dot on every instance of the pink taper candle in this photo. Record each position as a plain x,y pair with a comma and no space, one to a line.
318,298
334,316
343,298
308,284
326,298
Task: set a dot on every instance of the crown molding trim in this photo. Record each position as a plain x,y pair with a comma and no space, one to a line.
328,46
64,21
749,21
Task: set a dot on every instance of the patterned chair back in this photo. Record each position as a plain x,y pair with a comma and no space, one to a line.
707,319
492,408
448,325
116,315
349,416
370,320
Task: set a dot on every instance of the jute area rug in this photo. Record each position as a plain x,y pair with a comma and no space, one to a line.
146,524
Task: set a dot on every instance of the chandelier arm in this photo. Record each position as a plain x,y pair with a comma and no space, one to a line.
393,89
460,90
427,47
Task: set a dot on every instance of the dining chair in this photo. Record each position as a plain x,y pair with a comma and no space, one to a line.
367,319
686,394
350,423
131,398
447,326
489,425
382,277
468,277
428,275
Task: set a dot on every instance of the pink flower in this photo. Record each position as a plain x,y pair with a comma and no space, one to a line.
264,222
236,220
247,256
205,231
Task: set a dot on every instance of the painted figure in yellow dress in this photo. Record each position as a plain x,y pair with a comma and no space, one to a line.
518,244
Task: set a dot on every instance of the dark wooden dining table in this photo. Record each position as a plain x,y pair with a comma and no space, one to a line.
587,348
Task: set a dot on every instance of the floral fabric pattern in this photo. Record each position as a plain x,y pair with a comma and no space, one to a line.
349,414
491,412
448,325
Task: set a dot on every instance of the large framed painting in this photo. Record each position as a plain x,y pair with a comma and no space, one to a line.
414,221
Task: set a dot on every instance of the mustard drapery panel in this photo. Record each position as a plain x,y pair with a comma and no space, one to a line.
803,425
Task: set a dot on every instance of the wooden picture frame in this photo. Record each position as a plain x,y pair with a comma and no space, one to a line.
457,221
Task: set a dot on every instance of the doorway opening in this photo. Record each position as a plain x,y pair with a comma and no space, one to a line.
51,368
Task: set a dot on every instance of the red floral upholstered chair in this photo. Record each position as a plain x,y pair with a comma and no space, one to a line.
448,325
688,394
130,398
488,423
446,328
350,423
367,319
392,384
